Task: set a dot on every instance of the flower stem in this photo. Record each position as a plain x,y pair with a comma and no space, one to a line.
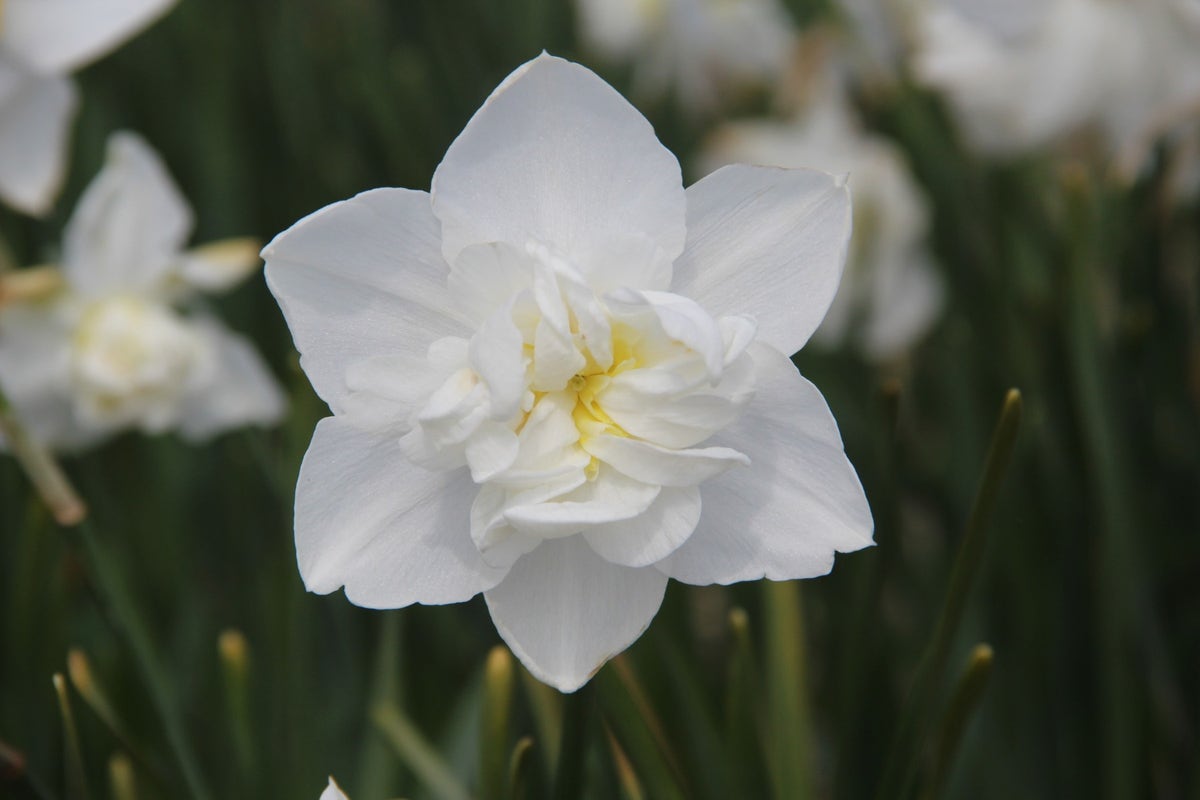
76,774
498,678
910,734
790,738
131,625
420,756
577,719
967,695
44,472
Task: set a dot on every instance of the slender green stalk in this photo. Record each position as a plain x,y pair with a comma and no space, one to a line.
545,705
963,704
378,768
420,756
79,670
120,778
44,472
113,590
76,773
910,734
627,780
1119,567
519,765
639,731
578,709
234,655
498,679
743,714
789,742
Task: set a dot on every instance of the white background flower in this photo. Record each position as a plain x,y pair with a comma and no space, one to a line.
116,349
544,384
890,294
41,42
696,48
1024,75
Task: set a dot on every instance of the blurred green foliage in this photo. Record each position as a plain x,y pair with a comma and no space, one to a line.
1083,294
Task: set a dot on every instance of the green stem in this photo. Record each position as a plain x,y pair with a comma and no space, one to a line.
577,718
962,706
420,756
112,589
788,717
911,732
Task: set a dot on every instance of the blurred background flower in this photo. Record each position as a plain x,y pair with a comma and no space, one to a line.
41,43
107,345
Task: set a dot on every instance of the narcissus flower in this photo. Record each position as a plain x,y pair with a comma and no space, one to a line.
1025,75
559,379
696,49
111,341
41,43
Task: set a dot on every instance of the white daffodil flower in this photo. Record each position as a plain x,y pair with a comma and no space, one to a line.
114,347
41,42
1024,75
890,294
696,48
546,383
333,791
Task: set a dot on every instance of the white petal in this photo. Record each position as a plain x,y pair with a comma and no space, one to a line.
491,450
797,504
129,227
384,392
391,533
333,791
220,265
499,542
564,611
35,372
241,390
63,35
497,353
485,277
662,466
611,497
557,156
683,320
35,116
359,279
651,536
767,242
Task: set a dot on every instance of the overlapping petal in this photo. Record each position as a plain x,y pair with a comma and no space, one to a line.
564,610
556,156
59,36
35,113
359,279
393,534
768,242
797,503
130,225
241,390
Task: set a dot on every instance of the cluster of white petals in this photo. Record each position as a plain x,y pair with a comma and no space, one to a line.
694,48
116,348
41,43
1024,74
890,293
559,380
